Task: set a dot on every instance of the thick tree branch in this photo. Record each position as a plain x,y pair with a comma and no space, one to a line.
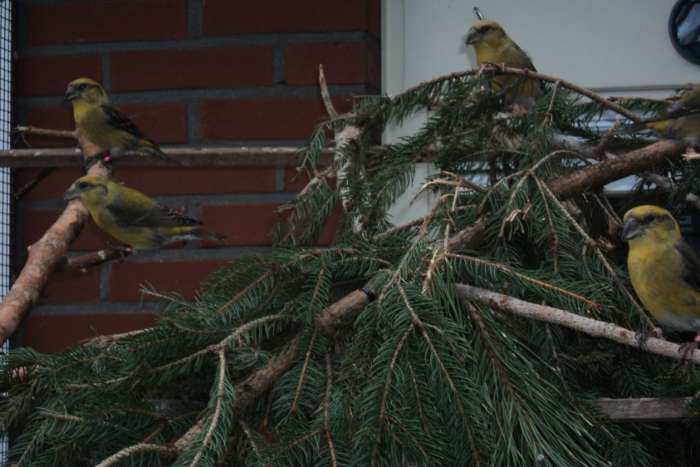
573,321
45,255
596,176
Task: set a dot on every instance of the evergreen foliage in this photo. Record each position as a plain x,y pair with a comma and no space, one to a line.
418,377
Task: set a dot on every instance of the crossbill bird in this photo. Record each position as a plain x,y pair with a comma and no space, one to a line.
104,124
664,270
681,120
493,46
132,217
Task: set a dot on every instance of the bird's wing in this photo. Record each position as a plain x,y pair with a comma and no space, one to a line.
691,265
152,216
118,120
520,59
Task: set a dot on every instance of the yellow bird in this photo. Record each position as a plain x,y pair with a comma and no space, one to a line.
104,124
681,120
132,217
493,46
664,269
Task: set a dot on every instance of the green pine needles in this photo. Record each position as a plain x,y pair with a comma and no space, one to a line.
283,361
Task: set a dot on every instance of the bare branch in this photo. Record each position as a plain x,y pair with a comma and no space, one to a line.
645,409
136,448
573,321
32,130
325,94
82,262
595,176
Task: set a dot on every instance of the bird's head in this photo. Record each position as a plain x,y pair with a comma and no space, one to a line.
86,90
89,187
649,223
486,32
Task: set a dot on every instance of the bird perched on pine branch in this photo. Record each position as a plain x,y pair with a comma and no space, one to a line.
493,46
132,217
664,270
681,120
102,123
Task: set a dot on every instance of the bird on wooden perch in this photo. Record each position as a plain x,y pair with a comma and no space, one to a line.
664,270
105,125
132,217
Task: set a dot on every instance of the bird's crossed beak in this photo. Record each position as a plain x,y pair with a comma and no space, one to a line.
71,193
632,229
473,36
71,93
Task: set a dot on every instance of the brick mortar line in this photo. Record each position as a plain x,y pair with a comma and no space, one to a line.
83,309
213,199
244,40
186,95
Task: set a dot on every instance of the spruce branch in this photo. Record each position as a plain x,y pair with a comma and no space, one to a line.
305,366
599,254
498,69
385,391
216,415
326,404
129,451
443,369
539,283
592,327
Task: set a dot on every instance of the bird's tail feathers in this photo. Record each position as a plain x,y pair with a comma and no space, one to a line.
197,233
149,148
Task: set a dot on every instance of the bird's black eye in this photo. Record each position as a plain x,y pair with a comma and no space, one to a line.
82,185
81,86
484,29
648,219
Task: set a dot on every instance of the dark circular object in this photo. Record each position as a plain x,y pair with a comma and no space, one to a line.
684,29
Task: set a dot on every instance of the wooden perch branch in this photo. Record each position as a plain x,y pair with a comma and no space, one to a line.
82,262
45,255
188,157
573,321
645,409
597,175
32,130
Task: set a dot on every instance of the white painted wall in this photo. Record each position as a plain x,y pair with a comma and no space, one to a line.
603,44
618,47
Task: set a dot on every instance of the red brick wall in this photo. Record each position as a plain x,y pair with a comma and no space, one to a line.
188,72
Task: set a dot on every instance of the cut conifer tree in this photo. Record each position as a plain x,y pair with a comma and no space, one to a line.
363,351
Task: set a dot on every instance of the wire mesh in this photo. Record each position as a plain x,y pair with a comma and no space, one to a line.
5,174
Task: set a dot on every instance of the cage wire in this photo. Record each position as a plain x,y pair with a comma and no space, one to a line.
5,173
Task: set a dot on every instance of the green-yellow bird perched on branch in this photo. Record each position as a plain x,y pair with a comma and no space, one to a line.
132,217
104,124
664,269
681,120
493,46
